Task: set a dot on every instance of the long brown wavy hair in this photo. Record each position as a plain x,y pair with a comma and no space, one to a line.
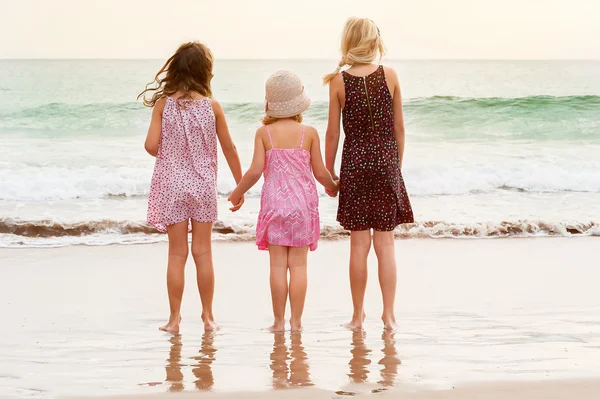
189,70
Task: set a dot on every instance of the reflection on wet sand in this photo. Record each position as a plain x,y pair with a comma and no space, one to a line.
297,374
360,361
390,359
299,368
360,358
173,367
203,370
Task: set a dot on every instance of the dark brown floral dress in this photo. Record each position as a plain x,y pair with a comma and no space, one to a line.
372,191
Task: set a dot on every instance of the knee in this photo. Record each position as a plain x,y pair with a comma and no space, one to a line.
383,242
180,250
200,250
296,265
362,243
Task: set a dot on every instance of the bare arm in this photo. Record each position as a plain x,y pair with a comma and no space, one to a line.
332,136
320,172
252,175
227,145
155,129
398,114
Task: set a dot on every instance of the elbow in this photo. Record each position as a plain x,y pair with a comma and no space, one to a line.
230,150
332,136
399,129
254,174
151,149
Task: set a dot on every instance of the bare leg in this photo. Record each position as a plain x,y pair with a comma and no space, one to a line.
383,242
279,285
298,284
178,252
205,274
360,245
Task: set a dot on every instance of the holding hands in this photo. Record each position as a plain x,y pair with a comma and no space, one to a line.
236,200
334,193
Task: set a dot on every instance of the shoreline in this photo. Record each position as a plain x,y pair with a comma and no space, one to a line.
49,234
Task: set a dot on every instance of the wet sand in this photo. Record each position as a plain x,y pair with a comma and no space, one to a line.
587,389
83,321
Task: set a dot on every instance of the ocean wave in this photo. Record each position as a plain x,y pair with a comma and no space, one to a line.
534,117
22,182
14,232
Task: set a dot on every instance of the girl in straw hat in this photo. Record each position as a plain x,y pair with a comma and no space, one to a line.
372,192
288,223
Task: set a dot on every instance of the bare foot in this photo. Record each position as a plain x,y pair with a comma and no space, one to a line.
172,327
209,323
389,322
276,327
356,323
295,325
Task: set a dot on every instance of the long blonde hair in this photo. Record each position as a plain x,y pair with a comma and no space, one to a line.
361,43
188,70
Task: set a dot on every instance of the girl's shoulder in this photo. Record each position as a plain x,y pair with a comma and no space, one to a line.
310,130
159,106
390,73
337,82
216,107
310,133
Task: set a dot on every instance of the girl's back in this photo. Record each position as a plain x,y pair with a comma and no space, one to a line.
289,202
368,117
189,135
185,175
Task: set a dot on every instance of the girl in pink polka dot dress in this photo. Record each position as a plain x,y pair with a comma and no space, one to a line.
289,155
186,123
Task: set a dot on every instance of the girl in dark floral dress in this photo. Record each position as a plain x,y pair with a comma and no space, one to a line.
372,192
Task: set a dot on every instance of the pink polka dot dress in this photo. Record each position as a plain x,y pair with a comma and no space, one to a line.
184,183
289,203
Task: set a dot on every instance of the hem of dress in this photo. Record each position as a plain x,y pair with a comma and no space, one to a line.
376,228
159,226
312,247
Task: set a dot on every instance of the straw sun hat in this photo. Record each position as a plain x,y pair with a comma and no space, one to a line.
285,96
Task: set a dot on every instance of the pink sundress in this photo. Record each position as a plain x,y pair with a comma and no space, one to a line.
289,204
184,183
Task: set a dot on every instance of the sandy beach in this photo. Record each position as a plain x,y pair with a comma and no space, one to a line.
83,321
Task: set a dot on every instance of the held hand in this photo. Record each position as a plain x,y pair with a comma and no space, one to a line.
334,193
236,201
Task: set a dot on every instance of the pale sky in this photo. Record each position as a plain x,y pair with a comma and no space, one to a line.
484,29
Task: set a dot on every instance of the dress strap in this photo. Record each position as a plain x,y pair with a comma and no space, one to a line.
302,139
270,139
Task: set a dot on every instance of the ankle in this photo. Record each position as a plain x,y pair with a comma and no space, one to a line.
388,316
207,316
358,315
